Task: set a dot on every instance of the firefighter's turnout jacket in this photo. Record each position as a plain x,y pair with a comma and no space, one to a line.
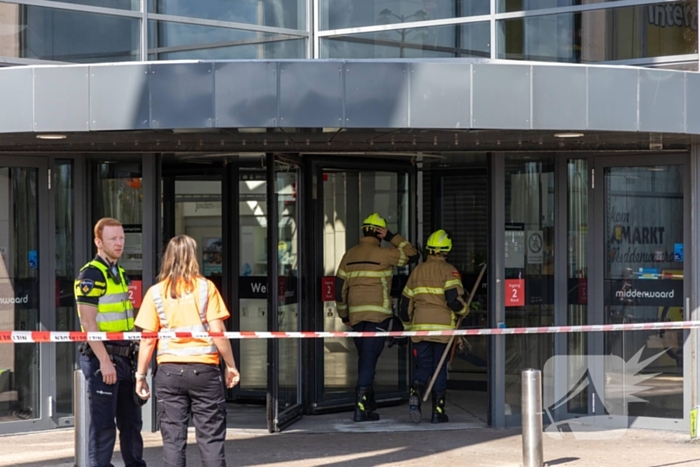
363,281
431,299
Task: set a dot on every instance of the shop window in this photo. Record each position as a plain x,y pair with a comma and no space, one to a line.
529,266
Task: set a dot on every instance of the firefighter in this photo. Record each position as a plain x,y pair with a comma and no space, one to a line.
363,299
430,302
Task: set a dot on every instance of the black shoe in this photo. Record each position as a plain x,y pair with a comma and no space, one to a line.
362,414
371,404
414,401
439,415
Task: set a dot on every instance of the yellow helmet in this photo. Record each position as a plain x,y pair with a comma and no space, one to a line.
439,241
374,220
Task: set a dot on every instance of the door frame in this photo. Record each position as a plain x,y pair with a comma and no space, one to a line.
47,286
312,349
596,246
277,419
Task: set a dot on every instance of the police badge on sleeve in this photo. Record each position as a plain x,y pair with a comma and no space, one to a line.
86,285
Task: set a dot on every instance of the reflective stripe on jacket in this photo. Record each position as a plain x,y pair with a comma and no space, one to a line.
425,299
115,313
365,273
199,346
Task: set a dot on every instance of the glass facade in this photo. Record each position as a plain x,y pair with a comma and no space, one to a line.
663,34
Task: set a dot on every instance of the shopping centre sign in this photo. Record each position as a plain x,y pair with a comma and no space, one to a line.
644,292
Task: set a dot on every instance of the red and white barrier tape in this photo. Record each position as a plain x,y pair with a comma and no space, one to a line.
48,336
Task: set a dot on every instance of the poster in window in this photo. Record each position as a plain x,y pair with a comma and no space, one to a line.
211,255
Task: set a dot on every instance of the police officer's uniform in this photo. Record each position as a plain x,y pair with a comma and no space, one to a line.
431,300
105,286
363,300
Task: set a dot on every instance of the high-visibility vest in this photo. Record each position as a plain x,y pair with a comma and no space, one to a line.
115,313
191,348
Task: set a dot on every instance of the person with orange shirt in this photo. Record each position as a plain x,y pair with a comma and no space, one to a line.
188,378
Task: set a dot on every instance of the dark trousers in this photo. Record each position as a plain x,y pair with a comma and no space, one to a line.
427,357
108,402
368,350
185,390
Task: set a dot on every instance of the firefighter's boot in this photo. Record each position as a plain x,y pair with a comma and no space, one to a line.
361,405
439,415
414,401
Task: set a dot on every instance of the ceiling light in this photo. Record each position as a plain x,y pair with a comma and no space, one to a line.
568,135
51,136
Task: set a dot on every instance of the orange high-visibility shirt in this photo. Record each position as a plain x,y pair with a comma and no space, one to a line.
182,312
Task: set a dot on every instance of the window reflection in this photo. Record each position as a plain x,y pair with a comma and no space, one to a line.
290,14
468,40
602,35
340,14
71,36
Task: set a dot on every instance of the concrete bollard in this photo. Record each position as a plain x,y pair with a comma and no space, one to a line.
81,419
532,418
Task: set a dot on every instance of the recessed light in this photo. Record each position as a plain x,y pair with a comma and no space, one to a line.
568,135
51,136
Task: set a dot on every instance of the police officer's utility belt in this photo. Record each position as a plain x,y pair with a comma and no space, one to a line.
116,350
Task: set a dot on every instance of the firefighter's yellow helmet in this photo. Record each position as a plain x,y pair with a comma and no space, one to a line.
439,242
374,220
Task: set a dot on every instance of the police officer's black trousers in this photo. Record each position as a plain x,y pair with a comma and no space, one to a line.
108,402
196,390
368,350
427,357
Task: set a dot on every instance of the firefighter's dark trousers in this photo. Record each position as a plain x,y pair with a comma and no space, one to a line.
368,350
108,402
185,390
427,357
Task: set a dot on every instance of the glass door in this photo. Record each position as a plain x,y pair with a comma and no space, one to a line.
342,195
24,279
459,203
641,228
283,284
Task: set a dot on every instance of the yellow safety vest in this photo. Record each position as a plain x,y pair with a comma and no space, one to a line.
115,313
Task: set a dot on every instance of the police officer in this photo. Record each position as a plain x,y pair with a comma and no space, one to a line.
363,288
430,300
102,295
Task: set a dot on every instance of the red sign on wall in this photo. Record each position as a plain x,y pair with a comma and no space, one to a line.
515,292
135,293
328,288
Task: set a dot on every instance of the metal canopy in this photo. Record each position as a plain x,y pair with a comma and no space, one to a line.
426,94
